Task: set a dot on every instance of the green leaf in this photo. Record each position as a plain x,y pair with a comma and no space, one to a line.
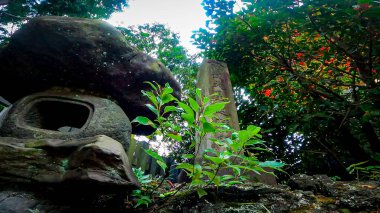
213,108
143,200
175,137
160,160
170,109
188,117
254,142
210,175
353,166
201,192
143,121
151,97
243,136
194,105
154,154
216,160
235,168
216,181
187,166
226,177
198,182
167,89
186,108
229,141
207,127
253,130
210,150
152,85
271,164
188,156
167,98
162,164
234,182
152,108
198,91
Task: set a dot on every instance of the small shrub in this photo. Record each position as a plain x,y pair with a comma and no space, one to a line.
199,120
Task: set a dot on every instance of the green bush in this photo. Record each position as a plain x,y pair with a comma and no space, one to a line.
198,120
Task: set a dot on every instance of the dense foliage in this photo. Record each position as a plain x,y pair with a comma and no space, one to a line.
225,162
306,70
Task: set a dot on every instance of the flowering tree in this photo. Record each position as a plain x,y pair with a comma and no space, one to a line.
308,71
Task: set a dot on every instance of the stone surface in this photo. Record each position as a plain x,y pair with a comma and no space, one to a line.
258,197
317,183
347,197
97,161
79,53
65,114
213,77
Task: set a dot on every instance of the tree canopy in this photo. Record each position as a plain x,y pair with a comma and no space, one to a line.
307,71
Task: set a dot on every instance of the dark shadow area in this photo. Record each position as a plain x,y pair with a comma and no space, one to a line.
57,115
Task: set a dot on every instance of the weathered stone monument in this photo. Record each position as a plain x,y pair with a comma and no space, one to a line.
74,84
213,77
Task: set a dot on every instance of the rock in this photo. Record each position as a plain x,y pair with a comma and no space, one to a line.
259,197
96,161
80,53
320,184
66,114
16,202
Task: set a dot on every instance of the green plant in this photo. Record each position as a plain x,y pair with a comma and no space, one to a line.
34,210
141,177
370,172
201,122
335,178
142,196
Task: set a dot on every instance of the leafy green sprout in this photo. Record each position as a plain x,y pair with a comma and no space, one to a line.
202,122
371,172
142,196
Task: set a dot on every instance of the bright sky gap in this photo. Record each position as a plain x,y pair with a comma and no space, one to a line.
180,16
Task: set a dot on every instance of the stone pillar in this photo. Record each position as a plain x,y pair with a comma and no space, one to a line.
213,77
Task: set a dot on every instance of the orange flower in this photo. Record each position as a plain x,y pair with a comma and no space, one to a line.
266,38
268,92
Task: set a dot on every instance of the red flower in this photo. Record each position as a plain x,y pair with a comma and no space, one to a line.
268,92
299,55
302,63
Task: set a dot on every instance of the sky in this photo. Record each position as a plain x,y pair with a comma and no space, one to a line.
181,16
